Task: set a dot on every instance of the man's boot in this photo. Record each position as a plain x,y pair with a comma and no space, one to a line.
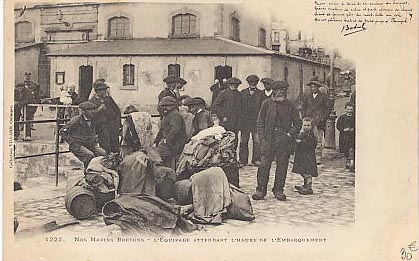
259,195
300,187
280,195
307,190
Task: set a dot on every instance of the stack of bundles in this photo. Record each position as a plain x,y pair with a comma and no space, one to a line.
90,192
142,172
212,198
209,148
135,212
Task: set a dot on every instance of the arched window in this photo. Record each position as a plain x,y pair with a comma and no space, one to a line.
23,32
262,38
184,25
119,28
173,70
235,29
128,71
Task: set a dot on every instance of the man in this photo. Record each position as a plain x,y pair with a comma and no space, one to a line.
268,90
108,119
180,84
81,136
278,125
202,118
171,137
252,99
315,105
170,90
23,96
228,107
34,88
216,88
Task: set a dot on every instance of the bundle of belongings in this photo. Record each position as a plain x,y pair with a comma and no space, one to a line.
209,148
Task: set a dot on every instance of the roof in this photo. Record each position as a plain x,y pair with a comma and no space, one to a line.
148,47
25,45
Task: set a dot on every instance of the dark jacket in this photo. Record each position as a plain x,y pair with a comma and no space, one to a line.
75,100
353,98
216,89
23,96
167,92
201,121
282,116
346,138
315,108
35,89
305,158
251,107
78,133
173,129
229,105
111,117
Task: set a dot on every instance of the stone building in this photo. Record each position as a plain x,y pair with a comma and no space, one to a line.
133,48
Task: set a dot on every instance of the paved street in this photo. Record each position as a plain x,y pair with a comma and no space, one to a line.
333,204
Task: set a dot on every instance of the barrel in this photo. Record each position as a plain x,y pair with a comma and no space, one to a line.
80,202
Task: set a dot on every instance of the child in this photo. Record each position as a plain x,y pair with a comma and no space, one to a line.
346,127
305,158
202,117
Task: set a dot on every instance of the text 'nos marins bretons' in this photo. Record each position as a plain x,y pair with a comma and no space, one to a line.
357,16
197,240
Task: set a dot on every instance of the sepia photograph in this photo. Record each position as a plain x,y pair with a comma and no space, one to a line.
153,124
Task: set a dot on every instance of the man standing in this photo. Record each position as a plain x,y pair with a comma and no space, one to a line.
228,107
268,90
170,90
252,99
171,137
80,134
34,89
108,118
23,96
202,118
315,105
216,88
278,125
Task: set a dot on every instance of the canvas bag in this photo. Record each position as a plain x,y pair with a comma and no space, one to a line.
240,208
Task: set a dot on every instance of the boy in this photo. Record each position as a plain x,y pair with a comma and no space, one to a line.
202,119
346,127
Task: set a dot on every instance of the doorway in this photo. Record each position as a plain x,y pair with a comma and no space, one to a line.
85,82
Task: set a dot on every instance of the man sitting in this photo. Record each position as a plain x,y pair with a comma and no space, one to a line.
81,136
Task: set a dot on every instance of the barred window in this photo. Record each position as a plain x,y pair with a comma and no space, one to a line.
23,32
184,25
119,28
128,74
173,70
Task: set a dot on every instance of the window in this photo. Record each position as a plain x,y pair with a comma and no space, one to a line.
119,28
262,38
128,74
23,32
173,70
235,29
276,37
184,25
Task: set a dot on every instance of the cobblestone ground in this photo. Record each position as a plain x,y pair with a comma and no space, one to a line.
333,204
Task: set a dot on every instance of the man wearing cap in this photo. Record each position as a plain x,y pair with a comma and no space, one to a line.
180,83
80,134
202,118
23,96
278,125
268,90
252,99
34,89
107,118
315,105
216,88
171,137
228,107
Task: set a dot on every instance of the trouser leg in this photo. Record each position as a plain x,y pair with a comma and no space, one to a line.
83,154
282,159
256,146
244,147
114,140
263,173
308,181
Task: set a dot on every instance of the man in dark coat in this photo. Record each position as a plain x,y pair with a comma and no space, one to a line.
171,137
268,90
170,90
315,105
202,117
108,118
278,125
34,89
346,126
23,96
252,99
228,107
80,134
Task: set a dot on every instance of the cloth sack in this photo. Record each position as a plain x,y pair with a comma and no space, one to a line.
241,207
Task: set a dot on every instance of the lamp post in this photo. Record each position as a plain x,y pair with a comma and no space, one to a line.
329,136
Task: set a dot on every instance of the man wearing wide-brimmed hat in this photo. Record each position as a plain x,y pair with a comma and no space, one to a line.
108,118
315,106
